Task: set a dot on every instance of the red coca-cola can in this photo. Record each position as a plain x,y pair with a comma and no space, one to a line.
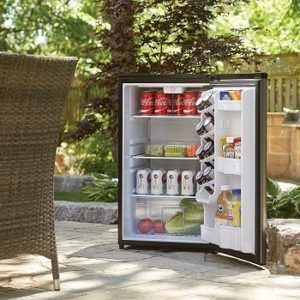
160,103
190,98
147,103
178,104
170,108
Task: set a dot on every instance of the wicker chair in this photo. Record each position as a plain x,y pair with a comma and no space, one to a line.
33,91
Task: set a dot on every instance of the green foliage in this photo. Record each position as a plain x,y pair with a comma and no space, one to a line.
104,189
67,196
282,204
91,155
273,188
270,26
49,27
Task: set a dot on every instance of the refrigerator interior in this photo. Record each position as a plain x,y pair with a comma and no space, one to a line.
232,118
139,131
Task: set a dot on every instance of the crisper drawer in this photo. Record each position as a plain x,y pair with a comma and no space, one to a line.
166,216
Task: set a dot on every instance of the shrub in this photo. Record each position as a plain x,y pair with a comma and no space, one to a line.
91,155
104,189
282,204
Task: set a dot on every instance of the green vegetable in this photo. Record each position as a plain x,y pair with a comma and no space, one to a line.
154,150
177,225
188,221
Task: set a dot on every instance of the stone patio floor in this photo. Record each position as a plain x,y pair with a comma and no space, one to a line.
92,267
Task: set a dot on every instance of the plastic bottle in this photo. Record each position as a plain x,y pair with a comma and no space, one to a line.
234,209
223,199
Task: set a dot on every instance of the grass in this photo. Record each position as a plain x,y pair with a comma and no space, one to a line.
74,197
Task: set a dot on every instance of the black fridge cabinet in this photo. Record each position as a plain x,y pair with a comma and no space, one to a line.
245,118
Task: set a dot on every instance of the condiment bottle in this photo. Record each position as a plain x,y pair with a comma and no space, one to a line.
234,209
221,213
229,147
237,144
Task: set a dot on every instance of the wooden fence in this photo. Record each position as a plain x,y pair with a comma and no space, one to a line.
283,91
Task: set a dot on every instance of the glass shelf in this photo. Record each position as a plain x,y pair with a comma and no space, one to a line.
142,156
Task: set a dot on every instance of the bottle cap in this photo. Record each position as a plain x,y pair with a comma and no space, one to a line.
230,139
236,191
225,187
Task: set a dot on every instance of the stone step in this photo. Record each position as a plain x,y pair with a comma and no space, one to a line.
89,212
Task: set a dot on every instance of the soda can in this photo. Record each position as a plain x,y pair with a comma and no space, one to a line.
161,103
178,104
143,180
173,182
205,100
200,152
188,183
147,103
209,189
158,182
208,174
200,128
189,107
208,150
199,177
170,104
208,123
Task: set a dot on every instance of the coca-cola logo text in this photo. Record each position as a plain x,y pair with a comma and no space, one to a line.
189,102
161,102
147,102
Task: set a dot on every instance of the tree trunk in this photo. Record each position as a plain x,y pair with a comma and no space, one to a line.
120,15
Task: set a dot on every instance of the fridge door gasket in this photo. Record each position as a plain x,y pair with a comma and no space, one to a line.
255,79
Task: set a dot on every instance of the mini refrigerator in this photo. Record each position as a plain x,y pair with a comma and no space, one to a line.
183,139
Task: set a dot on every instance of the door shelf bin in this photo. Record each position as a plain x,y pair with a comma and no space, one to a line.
228,165
160,211
230,105
226,237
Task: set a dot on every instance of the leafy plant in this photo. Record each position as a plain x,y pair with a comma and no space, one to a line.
282,204
91,155
104,189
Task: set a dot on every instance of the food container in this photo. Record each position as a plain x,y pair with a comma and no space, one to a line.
154,150
191,149
175,150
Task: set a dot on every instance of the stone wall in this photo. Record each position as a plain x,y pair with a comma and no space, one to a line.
283,142
283,246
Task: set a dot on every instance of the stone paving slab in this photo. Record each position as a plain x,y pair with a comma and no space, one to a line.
93,268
